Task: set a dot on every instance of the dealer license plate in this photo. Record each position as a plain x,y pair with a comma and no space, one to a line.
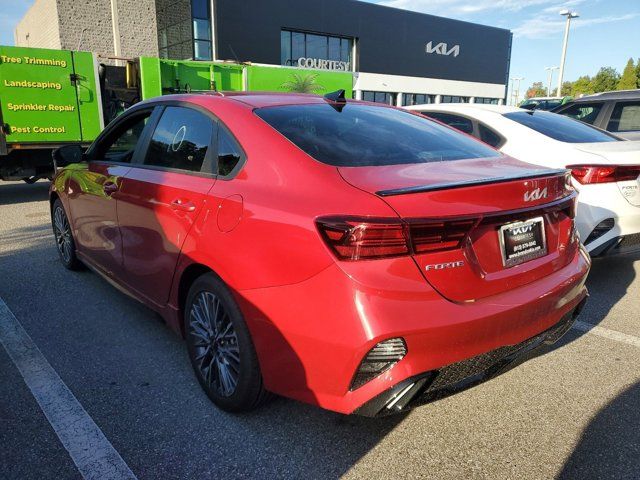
522,241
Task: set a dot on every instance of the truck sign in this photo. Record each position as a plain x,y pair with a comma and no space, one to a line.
48,97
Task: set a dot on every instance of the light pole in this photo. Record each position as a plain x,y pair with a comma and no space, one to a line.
550,70
569,15
515,91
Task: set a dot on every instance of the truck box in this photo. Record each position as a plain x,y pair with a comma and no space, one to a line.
48,98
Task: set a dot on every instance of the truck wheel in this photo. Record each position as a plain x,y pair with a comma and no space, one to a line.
65,244
220,347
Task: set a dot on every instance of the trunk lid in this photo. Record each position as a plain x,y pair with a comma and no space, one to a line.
489,192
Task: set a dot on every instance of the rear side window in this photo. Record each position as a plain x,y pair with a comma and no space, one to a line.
585,112
559,127
181,140
625,117
229,153
489,137
368,135
456,121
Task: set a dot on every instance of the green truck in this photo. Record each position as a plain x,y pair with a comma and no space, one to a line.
50,98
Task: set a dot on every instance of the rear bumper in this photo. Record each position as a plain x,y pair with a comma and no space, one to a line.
311,337
624,244
598,203
437,384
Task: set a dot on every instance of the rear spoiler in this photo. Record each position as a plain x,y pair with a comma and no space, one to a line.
469,183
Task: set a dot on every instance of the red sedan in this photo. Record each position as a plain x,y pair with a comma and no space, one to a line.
351,255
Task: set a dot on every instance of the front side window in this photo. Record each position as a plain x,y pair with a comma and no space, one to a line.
120,146
625,117
559,127
585,112
369,135
456,121
181,140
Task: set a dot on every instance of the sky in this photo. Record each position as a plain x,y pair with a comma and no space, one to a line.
607,32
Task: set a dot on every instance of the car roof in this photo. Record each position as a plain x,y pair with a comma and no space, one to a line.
251,99
543,98
465,107
617,95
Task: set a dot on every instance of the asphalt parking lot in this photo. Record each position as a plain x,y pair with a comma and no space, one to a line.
571,413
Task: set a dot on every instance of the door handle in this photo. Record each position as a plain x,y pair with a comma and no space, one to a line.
183,205
110,188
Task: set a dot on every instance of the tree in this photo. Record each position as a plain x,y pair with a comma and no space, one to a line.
638,73
536,90
605,80
629,79
566,89
303,84
582,86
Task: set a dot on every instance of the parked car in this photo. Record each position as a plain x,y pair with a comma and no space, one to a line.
302,249
605,169
543,103
617,112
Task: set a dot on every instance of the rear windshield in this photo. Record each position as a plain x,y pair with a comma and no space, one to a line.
560,128
368,135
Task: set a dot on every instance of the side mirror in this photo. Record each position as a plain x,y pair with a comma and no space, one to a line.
67,155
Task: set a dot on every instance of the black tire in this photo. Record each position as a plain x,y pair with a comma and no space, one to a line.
65,244
219,341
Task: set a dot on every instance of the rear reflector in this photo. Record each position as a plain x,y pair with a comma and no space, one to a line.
353,238
602,228
379,359
590,174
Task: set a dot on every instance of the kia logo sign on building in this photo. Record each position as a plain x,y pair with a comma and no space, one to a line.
304,62
442,49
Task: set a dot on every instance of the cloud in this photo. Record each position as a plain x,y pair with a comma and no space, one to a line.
545,26
463,7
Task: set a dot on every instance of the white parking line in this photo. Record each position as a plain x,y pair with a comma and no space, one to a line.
89,449
607,333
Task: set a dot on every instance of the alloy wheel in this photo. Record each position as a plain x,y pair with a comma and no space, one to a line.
215,343
62,232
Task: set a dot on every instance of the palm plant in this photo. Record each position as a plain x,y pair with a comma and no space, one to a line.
302,84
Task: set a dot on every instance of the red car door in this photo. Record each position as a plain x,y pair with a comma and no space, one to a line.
93,191
161,196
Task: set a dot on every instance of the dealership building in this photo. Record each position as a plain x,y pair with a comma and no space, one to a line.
396,56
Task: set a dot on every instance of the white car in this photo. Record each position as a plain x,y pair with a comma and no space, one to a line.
605,168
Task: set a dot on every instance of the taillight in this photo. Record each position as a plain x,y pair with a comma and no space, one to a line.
590,174
352,238
437,236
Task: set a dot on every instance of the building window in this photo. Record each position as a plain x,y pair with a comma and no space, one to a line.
201,17
184,29
417,99
311,50
379,97
486,100
453,99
